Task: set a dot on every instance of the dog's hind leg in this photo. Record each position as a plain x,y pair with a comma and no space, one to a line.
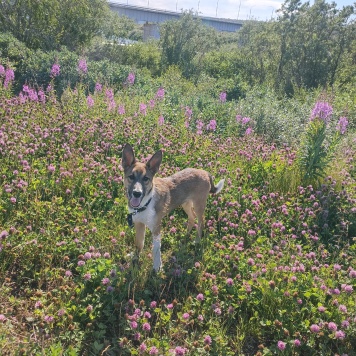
199,208
156,251
188,208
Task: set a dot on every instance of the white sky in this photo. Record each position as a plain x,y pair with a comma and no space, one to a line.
232,9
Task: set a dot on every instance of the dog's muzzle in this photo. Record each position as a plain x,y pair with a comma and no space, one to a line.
137,195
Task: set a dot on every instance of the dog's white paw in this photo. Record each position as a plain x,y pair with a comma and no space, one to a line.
130,256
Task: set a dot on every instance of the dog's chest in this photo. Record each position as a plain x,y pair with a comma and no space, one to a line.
147,217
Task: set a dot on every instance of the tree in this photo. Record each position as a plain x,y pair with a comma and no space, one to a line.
116,27
258,46
184,41
312,42
50,24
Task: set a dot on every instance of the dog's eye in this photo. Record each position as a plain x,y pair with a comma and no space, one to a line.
146,179
131,177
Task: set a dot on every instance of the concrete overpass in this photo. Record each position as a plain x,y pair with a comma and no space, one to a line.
151,18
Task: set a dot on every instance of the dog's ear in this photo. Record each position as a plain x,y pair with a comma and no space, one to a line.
154,162
128,157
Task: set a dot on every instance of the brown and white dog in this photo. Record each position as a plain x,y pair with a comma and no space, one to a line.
151,198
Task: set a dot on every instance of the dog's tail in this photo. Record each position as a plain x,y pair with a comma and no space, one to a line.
216,188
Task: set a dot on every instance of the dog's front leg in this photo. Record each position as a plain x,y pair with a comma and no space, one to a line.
140,229
156,251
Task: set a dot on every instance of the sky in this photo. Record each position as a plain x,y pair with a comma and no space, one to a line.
231,9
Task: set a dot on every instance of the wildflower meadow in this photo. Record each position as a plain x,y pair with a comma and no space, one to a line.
274,274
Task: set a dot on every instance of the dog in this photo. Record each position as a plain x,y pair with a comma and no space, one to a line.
151,198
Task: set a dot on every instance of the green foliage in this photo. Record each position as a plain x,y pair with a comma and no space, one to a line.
273,253
50,24
257,49
184,41
316,152
312,41
314,156
115,28
12,50
137,55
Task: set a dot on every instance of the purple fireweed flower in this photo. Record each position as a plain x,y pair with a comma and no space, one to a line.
41,96
131,78
342,125
188,112
160,94
322,110
248,131
200,125
121,110
98,87
161,120
82,66
109,93
143,108
9,77
212,125
245,120
55,70
2,70
90,101
32,94
222,97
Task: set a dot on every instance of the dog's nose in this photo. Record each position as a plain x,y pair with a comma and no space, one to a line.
136,193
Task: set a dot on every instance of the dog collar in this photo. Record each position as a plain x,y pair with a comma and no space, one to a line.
136,211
